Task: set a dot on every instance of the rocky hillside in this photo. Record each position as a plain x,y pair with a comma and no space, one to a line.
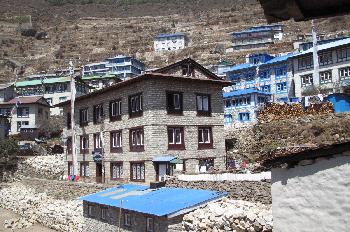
90,30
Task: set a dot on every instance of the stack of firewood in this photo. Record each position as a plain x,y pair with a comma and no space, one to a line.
275,111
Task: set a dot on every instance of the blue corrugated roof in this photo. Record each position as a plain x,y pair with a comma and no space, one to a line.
169,35
280,58
163,158
241,66
243,92
257,29
159,202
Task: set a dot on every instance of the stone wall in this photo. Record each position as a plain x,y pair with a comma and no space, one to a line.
230,215
47,167
255,191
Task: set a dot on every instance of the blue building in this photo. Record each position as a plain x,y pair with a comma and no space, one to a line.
120,65
241,106
257,37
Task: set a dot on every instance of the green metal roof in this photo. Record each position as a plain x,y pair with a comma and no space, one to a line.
46,81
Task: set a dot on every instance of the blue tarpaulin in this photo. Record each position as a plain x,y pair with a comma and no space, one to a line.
159,202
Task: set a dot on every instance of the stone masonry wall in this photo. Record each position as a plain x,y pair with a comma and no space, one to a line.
254,191
154,120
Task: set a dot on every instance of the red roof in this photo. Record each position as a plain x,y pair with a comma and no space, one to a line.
23,100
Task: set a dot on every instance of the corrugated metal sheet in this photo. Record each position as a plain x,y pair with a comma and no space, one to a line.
169,35
244,92
39,82
159,202
163,158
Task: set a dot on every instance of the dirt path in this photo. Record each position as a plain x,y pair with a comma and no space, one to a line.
6,215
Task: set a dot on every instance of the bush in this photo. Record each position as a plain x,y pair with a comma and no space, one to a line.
9,151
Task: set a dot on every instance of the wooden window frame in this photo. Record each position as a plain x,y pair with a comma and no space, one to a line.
116,117
137,148
105,209
116,149
203,112
81,170
176,146
204,145
131,171
170,98
86,149
98,119
138,112
100,147
91,213
129,221
111,170
147,224
83,122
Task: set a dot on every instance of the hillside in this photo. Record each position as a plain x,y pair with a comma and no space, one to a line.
90,30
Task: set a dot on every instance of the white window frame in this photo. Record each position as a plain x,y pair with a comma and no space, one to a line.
85,115
117,170
98,144
326,77
203,103
150,225
90,210
202,131
177,101
306,80
85,169
127,219
174,132
116,109
84,144
137,137
104,213
344,73
117,137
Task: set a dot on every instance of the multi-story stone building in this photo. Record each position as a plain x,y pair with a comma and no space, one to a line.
139,128
28,115
334,68
54,89
257,37
170,42
7,92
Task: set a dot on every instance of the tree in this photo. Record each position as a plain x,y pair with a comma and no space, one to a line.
9,151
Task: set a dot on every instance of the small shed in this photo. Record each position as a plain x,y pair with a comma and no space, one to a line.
132,207
310,188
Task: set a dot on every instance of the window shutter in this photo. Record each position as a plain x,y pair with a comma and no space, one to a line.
181,102
110,109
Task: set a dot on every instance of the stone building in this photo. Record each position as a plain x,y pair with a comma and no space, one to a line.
139,208
257,37
149,123
310,188
4,126
334,68
7,92
170,42
28,114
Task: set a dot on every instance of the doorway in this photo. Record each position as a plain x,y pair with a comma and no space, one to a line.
98,172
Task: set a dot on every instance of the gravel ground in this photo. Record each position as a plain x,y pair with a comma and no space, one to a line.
6,215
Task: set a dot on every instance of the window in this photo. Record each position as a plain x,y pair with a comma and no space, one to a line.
91,210
5,111
137,171
84,144
104,211
135,105
325,58
266,88
69,145
40,111
344,73
343,54
264,74
305,62
116,171
326,77
84,169
306,80
83,114
262,100
176,138
281,87
115,110
281,71
243,117
206,165
97,141
149,225
21,123
136,139
205,138
116,141
228,103
49,100
174,102
23,112
98,113
127,219
62,99
203,104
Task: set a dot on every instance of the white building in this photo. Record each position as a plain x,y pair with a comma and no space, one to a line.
31,112
170,42
334,68
310,188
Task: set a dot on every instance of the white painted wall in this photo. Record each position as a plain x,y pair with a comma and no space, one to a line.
312,198
227,176
169,43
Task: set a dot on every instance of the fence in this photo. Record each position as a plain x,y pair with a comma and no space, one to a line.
227,177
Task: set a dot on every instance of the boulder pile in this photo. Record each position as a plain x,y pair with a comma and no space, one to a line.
46,167
230,215
61,215
18,223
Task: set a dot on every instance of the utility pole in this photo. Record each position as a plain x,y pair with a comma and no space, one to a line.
316,75
72,91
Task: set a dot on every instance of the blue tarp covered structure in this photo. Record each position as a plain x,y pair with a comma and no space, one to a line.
159,202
